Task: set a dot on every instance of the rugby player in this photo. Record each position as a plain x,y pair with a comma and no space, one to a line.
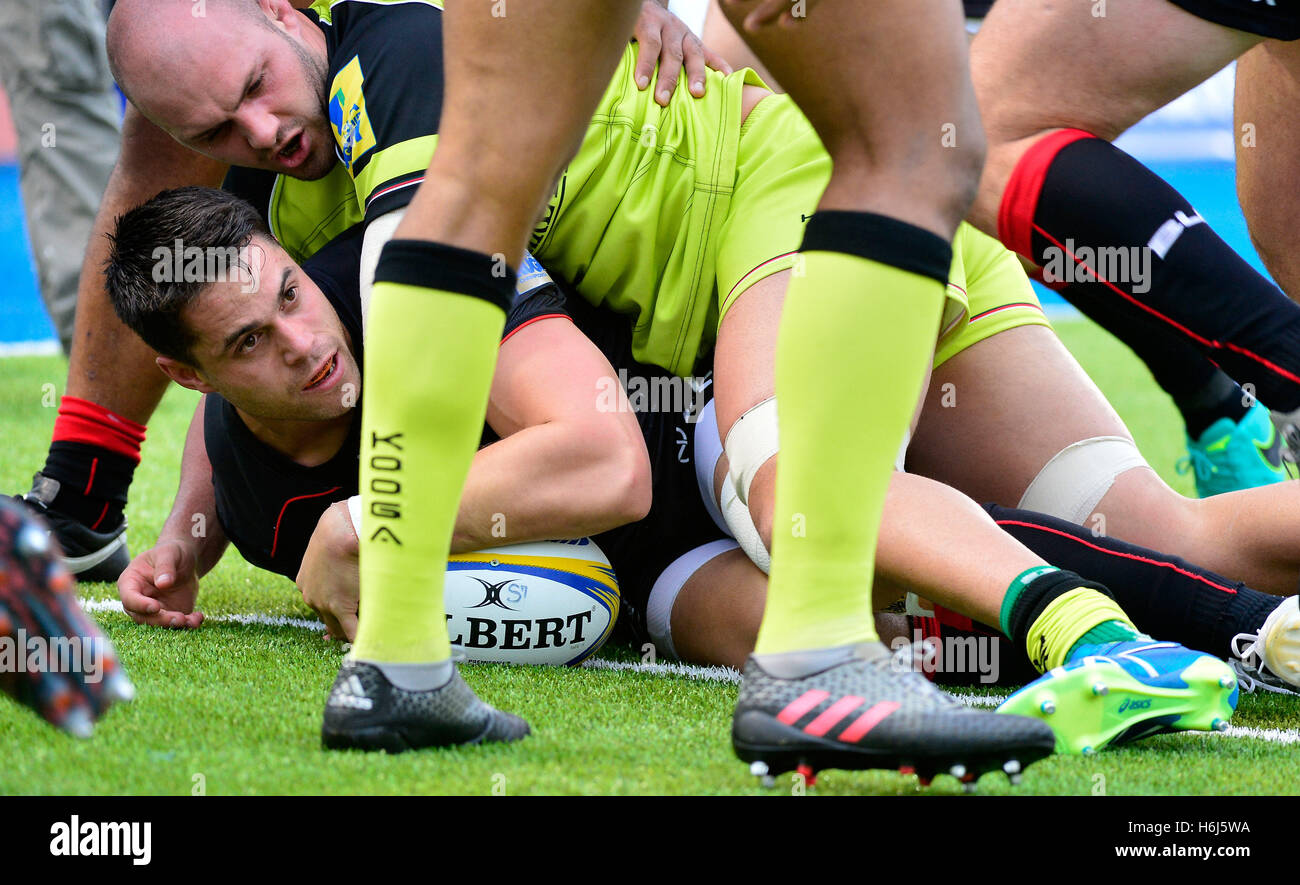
113,384
1056,83
255,478
271,450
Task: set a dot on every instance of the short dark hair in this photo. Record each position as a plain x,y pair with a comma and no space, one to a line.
138,274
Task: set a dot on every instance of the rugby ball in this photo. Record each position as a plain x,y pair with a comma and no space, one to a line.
544,602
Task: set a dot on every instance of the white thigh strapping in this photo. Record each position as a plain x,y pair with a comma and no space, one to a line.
1073,482
663,595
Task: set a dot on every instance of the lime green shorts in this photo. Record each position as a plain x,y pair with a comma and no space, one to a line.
782,171
997,291
635,219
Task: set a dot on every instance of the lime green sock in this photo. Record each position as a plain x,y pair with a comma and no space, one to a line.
857,336
1068,621
1051,612
429,359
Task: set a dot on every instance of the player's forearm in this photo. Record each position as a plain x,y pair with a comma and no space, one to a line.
552,481
193,518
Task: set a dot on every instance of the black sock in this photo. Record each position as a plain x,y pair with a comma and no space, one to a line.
93,483
1077,203
1221,397
1165,596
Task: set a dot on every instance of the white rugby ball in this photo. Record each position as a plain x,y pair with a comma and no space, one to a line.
544,602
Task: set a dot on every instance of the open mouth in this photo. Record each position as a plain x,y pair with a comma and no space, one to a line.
324,373
294,151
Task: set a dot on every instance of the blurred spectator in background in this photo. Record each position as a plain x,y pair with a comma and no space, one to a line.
67,116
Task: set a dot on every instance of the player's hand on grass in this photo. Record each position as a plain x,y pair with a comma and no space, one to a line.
762,13
160,586
330,577
664,38
61,665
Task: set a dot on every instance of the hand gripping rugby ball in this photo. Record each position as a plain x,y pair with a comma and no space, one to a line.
545,602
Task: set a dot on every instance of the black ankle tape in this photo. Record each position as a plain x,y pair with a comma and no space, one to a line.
880,238
448,269
1040,593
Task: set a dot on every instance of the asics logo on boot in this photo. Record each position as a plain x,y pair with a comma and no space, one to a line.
1130,704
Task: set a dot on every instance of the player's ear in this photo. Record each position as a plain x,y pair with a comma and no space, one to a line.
282,13
184,374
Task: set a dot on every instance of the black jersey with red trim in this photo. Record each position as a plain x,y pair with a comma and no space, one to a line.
267,503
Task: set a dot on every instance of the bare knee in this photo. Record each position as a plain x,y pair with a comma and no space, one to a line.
930,180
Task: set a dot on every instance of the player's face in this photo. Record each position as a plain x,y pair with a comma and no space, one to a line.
274,347
255,98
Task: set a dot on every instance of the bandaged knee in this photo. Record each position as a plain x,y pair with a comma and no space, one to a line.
752,442
1073,482
754,439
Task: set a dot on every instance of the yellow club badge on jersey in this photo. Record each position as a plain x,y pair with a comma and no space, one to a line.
348,117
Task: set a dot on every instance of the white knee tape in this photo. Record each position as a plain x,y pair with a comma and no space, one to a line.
742,528
663,596
753,439
1072,484
354,511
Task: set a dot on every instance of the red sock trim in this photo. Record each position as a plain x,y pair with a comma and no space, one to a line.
94,462
952,619
1020,199
82,421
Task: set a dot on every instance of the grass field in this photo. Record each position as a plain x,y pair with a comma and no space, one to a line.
235,707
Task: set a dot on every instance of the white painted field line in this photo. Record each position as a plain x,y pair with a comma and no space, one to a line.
1273,735
672,668
115,605
669,668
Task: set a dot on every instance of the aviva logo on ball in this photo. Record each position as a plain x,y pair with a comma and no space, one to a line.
348,119
546,602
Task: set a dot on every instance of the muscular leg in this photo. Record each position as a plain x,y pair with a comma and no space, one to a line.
438,301
113,383
722,38
1039,69
1268,164
109,364
896,196
1009,423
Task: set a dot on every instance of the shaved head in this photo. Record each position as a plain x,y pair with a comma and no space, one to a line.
137,28
242,81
